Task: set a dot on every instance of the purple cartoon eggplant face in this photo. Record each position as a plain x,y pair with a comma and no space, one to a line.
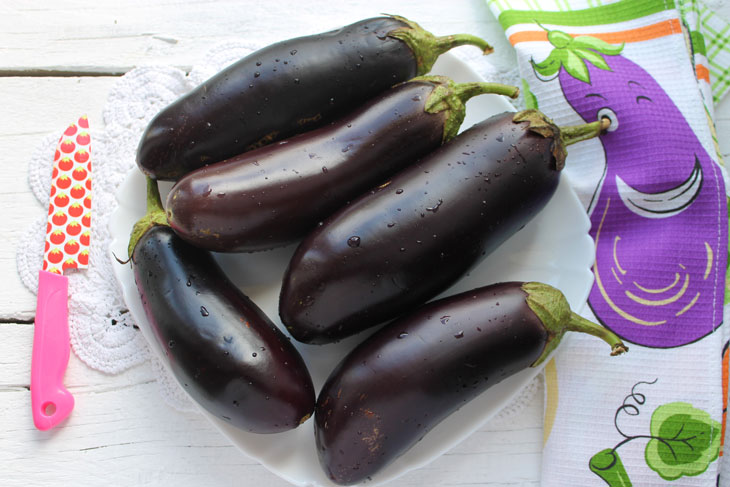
658,217
644,126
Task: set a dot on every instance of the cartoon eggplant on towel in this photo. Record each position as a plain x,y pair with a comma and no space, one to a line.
659,216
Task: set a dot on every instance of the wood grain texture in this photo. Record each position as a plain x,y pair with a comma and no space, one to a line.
58,59
112,37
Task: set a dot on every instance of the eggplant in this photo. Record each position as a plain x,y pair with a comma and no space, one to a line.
413,236
287,88
225,352
395,386
274,195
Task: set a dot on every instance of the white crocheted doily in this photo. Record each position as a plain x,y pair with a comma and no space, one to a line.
103,334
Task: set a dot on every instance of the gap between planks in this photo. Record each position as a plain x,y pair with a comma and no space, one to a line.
76,72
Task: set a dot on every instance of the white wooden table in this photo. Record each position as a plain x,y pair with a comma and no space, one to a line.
57,60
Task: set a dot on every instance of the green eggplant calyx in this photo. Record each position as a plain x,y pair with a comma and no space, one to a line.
426,47
541,124
562,136
155,216
553,310
450,97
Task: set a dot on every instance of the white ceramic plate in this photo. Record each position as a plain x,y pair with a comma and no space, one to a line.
553,248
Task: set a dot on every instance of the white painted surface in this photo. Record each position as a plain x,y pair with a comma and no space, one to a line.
120,432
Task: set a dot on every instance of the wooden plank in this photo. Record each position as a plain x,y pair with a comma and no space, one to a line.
112,37
17,342
123,435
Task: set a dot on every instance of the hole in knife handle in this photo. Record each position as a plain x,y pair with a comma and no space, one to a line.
49,409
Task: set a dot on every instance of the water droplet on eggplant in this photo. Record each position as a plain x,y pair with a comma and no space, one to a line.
435,207
204,311
353,241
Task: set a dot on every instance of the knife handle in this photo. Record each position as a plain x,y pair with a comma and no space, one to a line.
50,401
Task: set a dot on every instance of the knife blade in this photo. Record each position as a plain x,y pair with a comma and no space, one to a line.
68,236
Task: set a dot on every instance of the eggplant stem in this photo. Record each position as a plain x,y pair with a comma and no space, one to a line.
154,201
580,324
465,91
450,97
426,47
553,310
446,43
577,133
154,216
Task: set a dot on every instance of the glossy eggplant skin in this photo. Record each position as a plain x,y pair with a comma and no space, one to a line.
410,375
274,195
282,89
225,352
404,242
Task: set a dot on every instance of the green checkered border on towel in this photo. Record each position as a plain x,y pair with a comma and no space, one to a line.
716,33
711,37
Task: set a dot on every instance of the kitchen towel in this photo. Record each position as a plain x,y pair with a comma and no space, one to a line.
655,189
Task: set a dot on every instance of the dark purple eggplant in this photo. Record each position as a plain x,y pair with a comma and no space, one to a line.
225,352
398,384
274,195
287,88
413,236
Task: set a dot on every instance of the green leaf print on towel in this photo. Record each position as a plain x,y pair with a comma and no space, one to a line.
682,441
685,440
530,99
572,53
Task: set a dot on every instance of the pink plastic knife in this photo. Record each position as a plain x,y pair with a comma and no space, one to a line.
67,247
